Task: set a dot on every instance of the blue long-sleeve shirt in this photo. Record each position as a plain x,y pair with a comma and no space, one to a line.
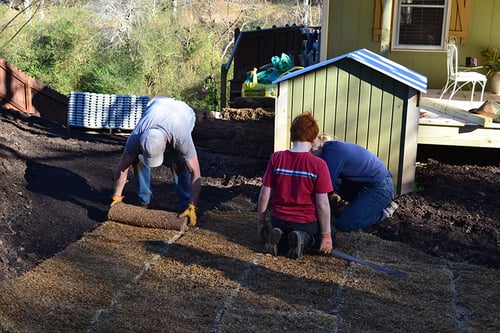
352,162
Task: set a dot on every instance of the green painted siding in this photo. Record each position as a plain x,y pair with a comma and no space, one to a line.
350,26
354,103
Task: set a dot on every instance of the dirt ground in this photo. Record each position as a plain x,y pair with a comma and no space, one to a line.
65,267
56,186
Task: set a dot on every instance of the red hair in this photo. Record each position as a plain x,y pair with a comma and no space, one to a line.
304,128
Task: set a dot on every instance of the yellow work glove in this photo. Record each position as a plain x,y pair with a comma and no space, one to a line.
190,213
116,199
334,197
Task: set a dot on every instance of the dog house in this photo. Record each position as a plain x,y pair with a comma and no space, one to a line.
360,97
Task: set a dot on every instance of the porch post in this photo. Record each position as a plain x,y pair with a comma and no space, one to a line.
385,38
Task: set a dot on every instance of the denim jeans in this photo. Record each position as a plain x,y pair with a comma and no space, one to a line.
366,203
180,173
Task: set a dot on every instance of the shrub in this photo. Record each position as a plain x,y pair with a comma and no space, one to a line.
492,58
174,58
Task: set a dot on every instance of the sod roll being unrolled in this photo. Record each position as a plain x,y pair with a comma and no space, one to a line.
147,218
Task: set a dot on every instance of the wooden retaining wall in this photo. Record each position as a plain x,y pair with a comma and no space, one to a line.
20,92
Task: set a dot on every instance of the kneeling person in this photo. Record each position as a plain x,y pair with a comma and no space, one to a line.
298,184
359,178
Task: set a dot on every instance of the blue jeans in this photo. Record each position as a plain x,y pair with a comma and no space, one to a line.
180,173
366,203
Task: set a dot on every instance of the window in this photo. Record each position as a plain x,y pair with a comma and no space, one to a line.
420,24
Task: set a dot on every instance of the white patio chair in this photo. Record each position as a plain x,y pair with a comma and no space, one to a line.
458,79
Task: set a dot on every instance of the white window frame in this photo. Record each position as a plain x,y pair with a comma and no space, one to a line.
420,47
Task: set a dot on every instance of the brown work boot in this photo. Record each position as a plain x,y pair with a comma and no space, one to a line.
273,241
297,241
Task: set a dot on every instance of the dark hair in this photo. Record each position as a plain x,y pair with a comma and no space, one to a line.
304,128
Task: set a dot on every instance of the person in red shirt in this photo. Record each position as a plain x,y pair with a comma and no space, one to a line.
297,183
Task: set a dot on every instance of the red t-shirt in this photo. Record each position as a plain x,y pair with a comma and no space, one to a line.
295,178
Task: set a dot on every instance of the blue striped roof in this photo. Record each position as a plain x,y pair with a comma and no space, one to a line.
376,62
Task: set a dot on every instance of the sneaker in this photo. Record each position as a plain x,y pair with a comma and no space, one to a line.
389,210
273,241
296,244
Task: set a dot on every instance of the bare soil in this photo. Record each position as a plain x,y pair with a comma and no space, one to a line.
56,186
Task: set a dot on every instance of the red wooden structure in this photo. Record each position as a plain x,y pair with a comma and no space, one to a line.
20,92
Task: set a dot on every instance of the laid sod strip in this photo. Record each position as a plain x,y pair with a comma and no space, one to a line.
375,266
121,278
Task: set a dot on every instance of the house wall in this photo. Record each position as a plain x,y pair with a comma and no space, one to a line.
357,104
348,26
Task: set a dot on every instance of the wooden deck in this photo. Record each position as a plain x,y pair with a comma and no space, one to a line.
449,122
